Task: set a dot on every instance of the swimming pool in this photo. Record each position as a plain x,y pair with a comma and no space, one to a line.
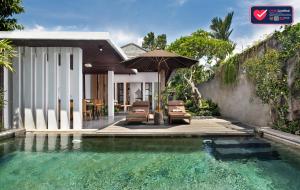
66,162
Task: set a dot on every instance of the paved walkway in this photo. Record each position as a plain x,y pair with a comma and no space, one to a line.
198,127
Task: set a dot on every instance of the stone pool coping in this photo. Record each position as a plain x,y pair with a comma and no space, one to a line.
279,136
11,133
199,127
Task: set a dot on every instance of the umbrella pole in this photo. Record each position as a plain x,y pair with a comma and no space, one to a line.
158,107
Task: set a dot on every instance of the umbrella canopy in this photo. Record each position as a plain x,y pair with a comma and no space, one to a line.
157,60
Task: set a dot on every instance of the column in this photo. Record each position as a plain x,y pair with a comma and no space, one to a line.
116,92
17,119
124,95
8,92
52,99
144,95
110,93
39,89
153,96
88,82
65,89
28,95
77,88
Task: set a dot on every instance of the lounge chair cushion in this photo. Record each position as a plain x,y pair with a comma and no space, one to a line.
136,115
139,110
181,115
177,110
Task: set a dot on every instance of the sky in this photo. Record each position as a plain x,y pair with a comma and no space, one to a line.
130,20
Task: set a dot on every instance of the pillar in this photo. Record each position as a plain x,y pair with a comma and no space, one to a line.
116,92
77,88
39,89
52,99
110,93
28,93
17,84
153,96
64,88
124,95
8,92
143,92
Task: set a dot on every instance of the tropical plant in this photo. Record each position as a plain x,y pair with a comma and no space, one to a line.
221,28
152,42
198,45
9,8
7,52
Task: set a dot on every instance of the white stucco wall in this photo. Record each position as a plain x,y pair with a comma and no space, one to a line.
37,84
139,77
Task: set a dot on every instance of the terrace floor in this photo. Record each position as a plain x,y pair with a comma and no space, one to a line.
198,127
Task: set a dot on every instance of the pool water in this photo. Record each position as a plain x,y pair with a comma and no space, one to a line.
72,162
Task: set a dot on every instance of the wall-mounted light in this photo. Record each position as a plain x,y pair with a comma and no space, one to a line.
88,65
100,48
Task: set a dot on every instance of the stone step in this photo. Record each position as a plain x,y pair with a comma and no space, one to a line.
238,153
239,143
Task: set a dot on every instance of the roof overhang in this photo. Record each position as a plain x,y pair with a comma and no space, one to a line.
89,42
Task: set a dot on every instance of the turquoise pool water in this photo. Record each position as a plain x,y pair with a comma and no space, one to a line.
59,162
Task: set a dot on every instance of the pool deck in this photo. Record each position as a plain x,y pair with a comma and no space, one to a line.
198,127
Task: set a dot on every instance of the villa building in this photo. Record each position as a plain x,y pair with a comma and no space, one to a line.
55,71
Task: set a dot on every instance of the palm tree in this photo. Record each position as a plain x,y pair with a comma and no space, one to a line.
221,28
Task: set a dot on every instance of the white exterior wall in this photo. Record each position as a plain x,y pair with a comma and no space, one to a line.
33,90
110,93
135,82
77,88
64,88
88,86
52,98
139,77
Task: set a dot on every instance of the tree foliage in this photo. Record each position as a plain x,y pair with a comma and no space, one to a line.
7,52
198,45
221,28
9,8
152,42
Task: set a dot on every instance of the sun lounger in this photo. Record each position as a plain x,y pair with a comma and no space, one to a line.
176,110
139,112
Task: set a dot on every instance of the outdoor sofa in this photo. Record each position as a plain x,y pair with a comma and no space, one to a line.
176,111
139,112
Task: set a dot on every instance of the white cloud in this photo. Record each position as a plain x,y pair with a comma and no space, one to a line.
122,37
39,28
36,28
180,2
119,36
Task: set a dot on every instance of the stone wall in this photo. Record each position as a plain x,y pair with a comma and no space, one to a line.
238,101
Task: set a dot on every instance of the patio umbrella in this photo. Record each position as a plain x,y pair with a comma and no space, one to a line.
157,60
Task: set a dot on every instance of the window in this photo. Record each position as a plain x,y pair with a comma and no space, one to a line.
120,93
71,61
148,93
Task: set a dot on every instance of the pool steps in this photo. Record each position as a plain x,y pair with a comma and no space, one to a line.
243,148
